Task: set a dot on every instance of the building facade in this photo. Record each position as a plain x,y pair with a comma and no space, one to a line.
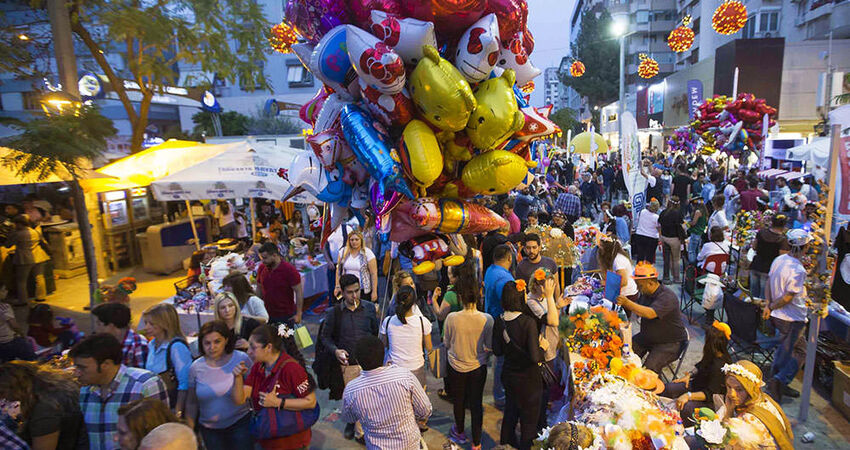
290,82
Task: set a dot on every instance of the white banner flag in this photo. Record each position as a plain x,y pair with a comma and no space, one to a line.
631,160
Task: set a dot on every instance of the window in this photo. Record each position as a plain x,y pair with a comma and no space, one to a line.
642,16
297,76
32,100
750,28
769,21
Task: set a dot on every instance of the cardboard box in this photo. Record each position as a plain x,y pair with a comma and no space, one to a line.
841,387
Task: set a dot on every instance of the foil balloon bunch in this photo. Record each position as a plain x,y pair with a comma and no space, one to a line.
732,125
421,110
683,140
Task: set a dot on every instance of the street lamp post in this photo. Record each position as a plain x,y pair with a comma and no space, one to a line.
619,28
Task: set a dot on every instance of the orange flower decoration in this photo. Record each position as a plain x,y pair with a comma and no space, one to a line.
539,274
520,285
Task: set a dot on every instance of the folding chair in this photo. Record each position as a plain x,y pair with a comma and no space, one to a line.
744,319
674,371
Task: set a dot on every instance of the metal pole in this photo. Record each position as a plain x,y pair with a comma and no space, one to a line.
815,319
621,107
192,222
253,222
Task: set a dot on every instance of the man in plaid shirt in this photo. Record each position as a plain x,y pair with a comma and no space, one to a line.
114,318
108,384
569,203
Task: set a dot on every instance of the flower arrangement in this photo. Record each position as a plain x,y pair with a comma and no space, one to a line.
520,285
585,232
709,427
587,286
556,245
748,223
593,334
627,416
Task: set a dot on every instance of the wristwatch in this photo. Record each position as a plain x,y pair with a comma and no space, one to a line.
282,404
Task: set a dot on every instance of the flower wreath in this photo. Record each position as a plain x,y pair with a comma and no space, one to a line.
739,370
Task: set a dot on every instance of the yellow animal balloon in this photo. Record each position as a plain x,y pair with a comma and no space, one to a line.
420,154
440,92
581,144
495,172
497,116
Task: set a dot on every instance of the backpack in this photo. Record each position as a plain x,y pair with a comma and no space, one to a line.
325,365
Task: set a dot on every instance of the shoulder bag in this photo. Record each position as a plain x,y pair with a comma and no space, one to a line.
271,423
549,378
169,375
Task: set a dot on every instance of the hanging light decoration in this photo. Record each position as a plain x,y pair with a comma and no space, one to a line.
282,37
577,69
682,37
648,67
729,17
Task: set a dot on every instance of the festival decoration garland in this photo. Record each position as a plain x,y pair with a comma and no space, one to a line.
682,37
577,69
648,67
729,17
282,37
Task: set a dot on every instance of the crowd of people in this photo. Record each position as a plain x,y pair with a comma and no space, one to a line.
245,382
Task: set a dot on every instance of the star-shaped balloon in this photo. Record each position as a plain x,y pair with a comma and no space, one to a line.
283,173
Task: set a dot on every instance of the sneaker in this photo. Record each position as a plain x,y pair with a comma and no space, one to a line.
349,431
458,438
444,395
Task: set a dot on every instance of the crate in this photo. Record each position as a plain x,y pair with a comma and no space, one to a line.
841,387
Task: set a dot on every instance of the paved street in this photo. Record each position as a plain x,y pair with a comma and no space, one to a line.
831,428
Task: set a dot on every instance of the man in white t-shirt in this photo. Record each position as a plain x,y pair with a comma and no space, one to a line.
786,295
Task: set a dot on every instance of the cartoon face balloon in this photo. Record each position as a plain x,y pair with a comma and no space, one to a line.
328,116
440,92
537,126
305,174
495,172
478,49
375,62
366,138
336,190
420,154
405,36
391,109
496,117
513,56
331,63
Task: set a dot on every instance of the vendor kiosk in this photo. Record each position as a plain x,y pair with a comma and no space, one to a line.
126,213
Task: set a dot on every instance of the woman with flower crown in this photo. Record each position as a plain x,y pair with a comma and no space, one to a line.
278,380
752,417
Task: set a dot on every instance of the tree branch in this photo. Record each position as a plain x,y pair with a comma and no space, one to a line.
117,83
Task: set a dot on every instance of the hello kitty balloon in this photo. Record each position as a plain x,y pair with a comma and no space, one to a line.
405,36
375,62
478,49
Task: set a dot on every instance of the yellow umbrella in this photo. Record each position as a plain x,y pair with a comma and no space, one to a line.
581,143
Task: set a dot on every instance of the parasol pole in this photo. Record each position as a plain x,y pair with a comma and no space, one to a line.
253,221
194,229
815,318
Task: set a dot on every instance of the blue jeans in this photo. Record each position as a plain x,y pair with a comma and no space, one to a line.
785,366
693,247
498,387
758,281
235,437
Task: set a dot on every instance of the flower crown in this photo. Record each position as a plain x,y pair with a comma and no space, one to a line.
739,370
520,285
284,331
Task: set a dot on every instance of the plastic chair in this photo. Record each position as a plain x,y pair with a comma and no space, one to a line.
719,262
674,371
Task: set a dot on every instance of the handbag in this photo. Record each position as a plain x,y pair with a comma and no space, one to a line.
270,423
546,373
438,361
169,375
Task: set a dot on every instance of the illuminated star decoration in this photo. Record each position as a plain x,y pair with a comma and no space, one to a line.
648,67
283,173
682,37
577,69
282,37
729,17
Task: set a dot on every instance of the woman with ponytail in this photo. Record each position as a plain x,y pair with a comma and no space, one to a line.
278,379
406,333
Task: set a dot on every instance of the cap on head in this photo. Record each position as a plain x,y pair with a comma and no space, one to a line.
798,237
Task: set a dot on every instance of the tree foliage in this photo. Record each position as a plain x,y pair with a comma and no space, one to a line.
155,40
232,124
58,143
566,119
599,52
265,123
